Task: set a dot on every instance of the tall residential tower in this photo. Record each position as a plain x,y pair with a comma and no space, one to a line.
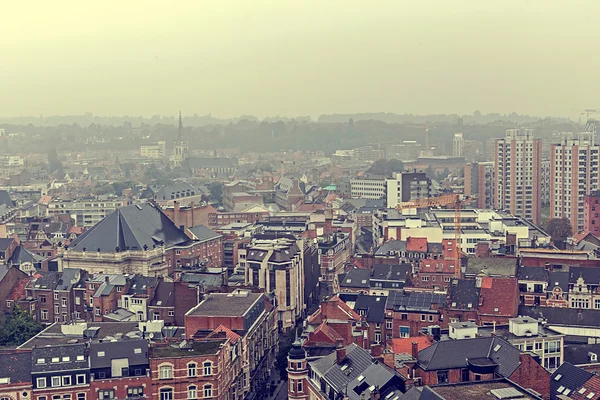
518,174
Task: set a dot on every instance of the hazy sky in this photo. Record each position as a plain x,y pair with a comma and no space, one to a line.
298,57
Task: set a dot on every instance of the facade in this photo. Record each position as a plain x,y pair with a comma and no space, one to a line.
60,371
405,151
277,266
368,187
573,175
518,174
479,183
86,213
458,145
406,186
591,213
546,183
156,151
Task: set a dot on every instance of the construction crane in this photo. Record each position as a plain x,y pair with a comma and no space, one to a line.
454,200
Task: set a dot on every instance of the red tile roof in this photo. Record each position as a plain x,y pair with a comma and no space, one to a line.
324,335
501,294
404,345
234,337
18,291
591,386
334,308
416,244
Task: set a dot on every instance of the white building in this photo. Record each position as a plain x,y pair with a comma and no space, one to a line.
368,187
158,150
86,213
573,174
458,145
518,174
406,186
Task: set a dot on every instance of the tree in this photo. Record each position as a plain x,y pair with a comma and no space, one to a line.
18,327
216,191
559,230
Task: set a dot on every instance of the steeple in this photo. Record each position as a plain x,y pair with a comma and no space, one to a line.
180,131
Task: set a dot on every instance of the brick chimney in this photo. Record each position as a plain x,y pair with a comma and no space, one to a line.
376,350
192,211
415,350
340,354
176,213
375,394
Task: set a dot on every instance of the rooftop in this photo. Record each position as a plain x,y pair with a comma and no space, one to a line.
188,349
226,304
481,390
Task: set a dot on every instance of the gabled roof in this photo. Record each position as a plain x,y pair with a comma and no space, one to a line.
164,296
499,296
563,316
578,354
404,345
231,335
333,308
462,293
5,243
373,306
356,278
66,356
16,367
175,191
500,266
414,300
560,279
391,246
391,272
591,276
5,199
444,354
131,227
45,280
102,354
203,233
567,376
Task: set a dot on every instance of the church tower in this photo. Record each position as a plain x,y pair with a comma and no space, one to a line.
297,373
180,146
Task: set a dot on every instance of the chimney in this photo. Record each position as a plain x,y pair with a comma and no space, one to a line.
176,213
376,350
340,354
375,394
415,350
192,210
106,279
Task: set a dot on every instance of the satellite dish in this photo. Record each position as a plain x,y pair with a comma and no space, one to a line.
151,335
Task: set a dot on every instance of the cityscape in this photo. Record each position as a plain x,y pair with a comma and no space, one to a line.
291,250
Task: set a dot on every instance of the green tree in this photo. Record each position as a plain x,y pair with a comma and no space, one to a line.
559,230
18,327
216,191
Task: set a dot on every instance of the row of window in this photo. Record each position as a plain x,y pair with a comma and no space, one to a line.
166,393
80,396
60,381
166,371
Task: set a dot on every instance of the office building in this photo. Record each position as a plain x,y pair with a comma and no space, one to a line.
518,174
156,151
458,145
406,186
573,175
368,187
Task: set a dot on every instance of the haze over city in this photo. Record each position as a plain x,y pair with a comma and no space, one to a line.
268,58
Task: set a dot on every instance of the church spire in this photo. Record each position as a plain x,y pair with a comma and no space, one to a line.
180,131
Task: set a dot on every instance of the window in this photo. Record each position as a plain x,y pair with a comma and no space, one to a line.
66,380
208,392
299,387
377,337
538,345
8,303
42,398
55,296
423,317
404,331
171,313
442,376
192,369
80,379
192,392
56,381
106,394
78,302
430,318
165,372
388,324
66,397
465,375
166,394
80,396
207,366
136,391
41,383
63,302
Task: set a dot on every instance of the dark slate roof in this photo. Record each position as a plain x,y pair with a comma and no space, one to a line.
391,272
563,316
373,306
202,278
203,233
175,191
135,350
68,278
5,243
464,292
590,275
414,300
5,199
223,304
443,354
21,255
164,295
489,266
434,248
46,280
356,278
285,254
131,227
140,284
568,376
48,353
580,354
16,367
391,246
560,279
537,274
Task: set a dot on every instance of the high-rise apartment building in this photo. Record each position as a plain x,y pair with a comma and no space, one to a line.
591,213
406,186
545,185
479,183
573,175
518,174
458,145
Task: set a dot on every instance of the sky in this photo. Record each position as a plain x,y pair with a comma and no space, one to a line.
298,57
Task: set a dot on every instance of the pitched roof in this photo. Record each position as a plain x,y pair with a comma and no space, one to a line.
373,306
391,272
231,335
536,274
203,233
102,354
404,345
414,300
589,391
590,275
567,376
21,256
16,367
563,316
131,227
59,358
5,243
578,354
442,355
464,292
5,199
226,304
175,191
500,296
164,296
333,308
356,278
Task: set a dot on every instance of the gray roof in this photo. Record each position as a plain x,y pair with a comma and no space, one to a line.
16,367
373,306
21,255
131,227
536,274
563,316
164,296
68,278
175,191
140,284
391,272
489,266
203,233
58,352
560,279
571,377
5,199
578,354
207,162
464,292
414,300
391,246
451,354
225,304
46,280
5,243
206,280
356,278
591,276
135,350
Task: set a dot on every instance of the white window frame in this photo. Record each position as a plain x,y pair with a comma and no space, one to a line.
41,383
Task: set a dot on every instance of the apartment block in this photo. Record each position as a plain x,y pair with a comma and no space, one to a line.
479,183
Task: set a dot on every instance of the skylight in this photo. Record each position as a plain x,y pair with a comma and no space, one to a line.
344,367
41,361
560,389
582,390
137,351
590,395
497,347
80,358
55,359
66,359
557,377
360,378
101,354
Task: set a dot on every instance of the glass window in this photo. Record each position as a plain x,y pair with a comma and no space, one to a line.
106,394
166,394
41,383
56,381
192,392
136,391
442,376
165,372
192,369
207,366
80,396
208,391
